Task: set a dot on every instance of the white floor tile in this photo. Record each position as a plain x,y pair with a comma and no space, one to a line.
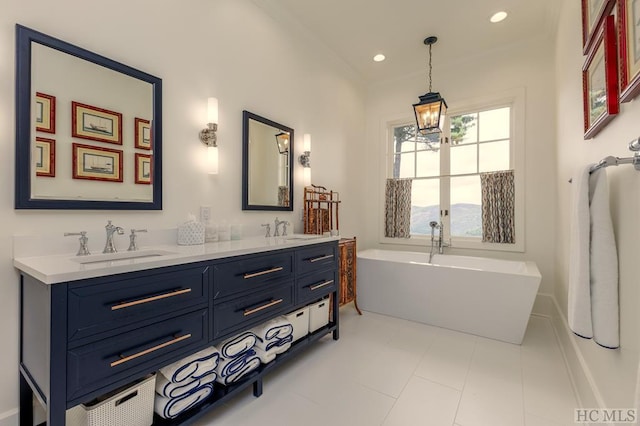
447,360
392,372
424,403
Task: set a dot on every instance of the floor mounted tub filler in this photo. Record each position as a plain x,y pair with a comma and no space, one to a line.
486,297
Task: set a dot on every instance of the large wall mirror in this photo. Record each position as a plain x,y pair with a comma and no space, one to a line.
267,150
88,129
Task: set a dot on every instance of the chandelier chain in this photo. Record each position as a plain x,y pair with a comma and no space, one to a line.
430,68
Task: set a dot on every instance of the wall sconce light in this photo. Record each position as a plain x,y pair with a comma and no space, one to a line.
282,139
305,159
208,136
431,109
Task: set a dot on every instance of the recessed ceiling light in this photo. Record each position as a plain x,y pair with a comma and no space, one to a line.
379,57
498,16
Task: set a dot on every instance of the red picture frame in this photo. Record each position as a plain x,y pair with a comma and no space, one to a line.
96,163
96,124
628,26
600,80
593,13
143,133
144,169
45,113
45,160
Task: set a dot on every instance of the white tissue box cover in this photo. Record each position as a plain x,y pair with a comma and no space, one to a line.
190,234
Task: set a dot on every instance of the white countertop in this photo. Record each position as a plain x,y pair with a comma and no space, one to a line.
56,268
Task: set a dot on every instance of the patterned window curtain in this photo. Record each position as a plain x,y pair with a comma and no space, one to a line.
397,214
283,196
498,207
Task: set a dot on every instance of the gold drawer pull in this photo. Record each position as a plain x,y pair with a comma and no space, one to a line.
122,359
317,286
316,259
150,299
268,271
259,308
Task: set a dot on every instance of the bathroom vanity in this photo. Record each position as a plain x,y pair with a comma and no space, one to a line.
91,324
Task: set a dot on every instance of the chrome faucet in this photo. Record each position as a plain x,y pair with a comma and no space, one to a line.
133,244
434,225
84,242
109,247
277,222
440,241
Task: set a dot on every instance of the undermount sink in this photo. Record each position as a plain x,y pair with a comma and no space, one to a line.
303,237
125,255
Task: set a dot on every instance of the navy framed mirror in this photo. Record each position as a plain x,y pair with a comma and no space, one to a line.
88,129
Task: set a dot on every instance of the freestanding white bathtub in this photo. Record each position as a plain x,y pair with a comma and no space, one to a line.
486,297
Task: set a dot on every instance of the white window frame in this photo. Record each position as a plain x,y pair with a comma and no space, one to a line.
515,99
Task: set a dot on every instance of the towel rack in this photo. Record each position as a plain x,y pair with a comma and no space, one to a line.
610,160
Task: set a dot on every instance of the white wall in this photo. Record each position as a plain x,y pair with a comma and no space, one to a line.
230,49
528,66
613,371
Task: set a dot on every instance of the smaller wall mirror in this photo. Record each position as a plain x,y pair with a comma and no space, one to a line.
267,150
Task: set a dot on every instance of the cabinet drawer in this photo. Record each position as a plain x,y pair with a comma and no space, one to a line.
244,312
112,303
316,285
96,365
317,257
251,273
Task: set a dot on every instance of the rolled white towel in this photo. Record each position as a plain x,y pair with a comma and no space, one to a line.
277,346
232,369
194,366
169,389
277,332
265,356
168,408
238,344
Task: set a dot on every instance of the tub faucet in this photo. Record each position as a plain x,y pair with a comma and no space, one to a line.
434,225
441,243
109,247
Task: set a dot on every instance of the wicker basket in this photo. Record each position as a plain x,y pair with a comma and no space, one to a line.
132,406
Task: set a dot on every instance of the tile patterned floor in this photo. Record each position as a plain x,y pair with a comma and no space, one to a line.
391,372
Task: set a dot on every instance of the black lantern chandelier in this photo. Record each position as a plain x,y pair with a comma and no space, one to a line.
431,109
282,139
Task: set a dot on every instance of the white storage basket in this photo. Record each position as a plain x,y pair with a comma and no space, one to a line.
318,315
300,321
132,406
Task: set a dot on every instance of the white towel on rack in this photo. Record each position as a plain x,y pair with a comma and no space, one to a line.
603,264
579,310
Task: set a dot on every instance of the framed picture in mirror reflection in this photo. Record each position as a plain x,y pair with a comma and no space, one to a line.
45,157
97,163
143,133
45,111
96,124
143,169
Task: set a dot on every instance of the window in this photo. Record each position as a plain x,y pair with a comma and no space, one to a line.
446,168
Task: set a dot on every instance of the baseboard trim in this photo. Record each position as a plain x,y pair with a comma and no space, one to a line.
9,418
584,385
